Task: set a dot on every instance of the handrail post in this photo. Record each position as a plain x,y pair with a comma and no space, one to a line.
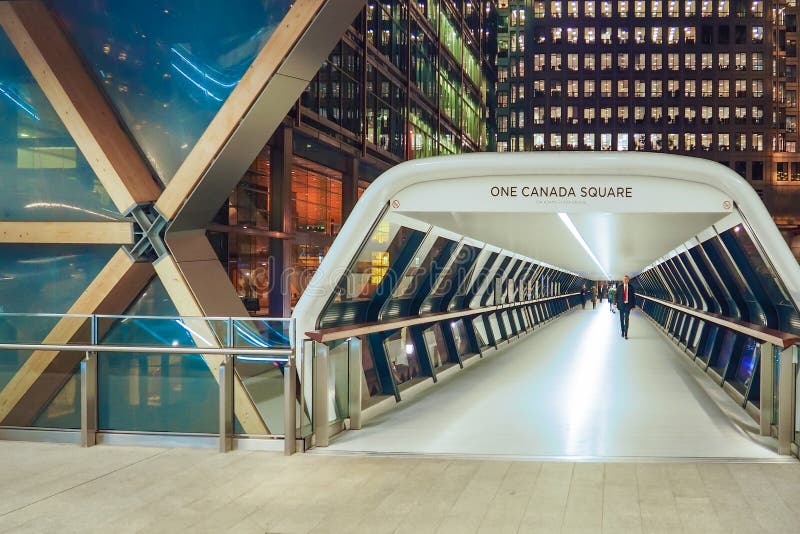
289,407
354,382
786,362
767,360
88,372
321,394
226,404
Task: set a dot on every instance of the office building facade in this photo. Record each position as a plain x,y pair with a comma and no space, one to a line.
712,79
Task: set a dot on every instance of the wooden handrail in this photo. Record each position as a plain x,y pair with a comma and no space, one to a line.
325,335
761,333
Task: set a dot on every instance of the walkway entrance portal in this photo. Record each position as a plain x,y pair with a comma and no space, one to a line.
447,315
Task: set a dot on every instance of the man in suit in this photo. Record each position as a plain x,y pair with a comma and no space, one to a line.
626,301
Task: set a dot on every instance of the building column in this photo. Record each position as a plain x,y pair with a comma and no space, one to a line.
281,219
349,187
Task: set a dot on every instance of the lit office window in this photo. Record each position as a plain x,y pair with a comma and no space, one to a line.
724,114
622,8
572,89
639,89
588,35
638,35
589,9
502,74
724,61
707,114
572,114
673,112
758,61
706,140
502,123
622,35
689,34
502,99
589,62
605,141
741,61
588,88
656,141
622,142
672,142
706,61
572,141
656,62
538,10
555,61
673,8
572,62
588,141
555,87
605,61
555,141
673,35
689,88
605,115
706,8
638,114
622,114
673,88
502,146
622,61
782,171
589,114
572,35
605,35
741,88
538,62
707,88
724,8
639,62
538,115
657,115
791,124
724,142
622,88
639,9
740,140
724,88
758,88
555,9
740,114
757,8
757,36
605,9
572,9
674,61
556,33
538,141
513,17
689,62
656,8
605,88
639,142
689,141
690,8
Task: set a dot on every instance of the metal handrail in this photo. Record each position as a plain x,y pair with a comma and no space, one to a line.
761,333
151,349
325,335
123,316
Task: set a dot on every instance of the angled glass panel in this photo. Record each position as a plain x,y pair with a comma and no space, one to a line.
43,175
40,278
168,65
155,392
64,409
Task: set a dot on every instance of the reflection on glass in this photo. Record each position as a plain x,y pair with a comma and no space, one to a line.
495,326
168,66
437,348
374,260
64,410
155,392
421,265
746,368
403,357
263,381
480,332
459,330
43,175
373,381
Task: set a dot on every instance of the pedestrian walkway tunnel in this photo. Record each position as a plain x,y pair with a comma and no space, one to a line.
445,260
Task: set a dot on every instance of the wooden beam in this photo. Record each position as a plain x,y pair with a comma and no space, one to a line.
89,233
79,103
226,121
42,374
184,300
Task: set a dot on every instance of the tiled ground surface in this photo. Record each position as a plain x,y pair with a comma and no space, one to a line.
63,488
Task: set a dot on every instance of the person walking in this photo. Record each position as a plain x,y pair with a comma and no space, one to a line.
626,301
611,295
594,296
583,296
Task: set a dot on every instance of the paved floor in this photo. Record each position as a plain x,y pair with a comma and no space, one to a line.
48,488
575,389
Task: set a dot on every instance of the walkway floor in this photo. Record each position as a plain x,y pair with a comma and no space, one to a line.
48,488
575,389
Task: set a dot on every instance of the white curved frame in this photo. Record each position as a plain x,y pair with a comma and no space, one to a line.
533,165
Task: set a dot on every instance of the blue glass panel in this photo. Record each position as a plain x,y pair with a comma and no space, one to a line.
747,364
41,278
43,175
64,409
167,65
155,392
